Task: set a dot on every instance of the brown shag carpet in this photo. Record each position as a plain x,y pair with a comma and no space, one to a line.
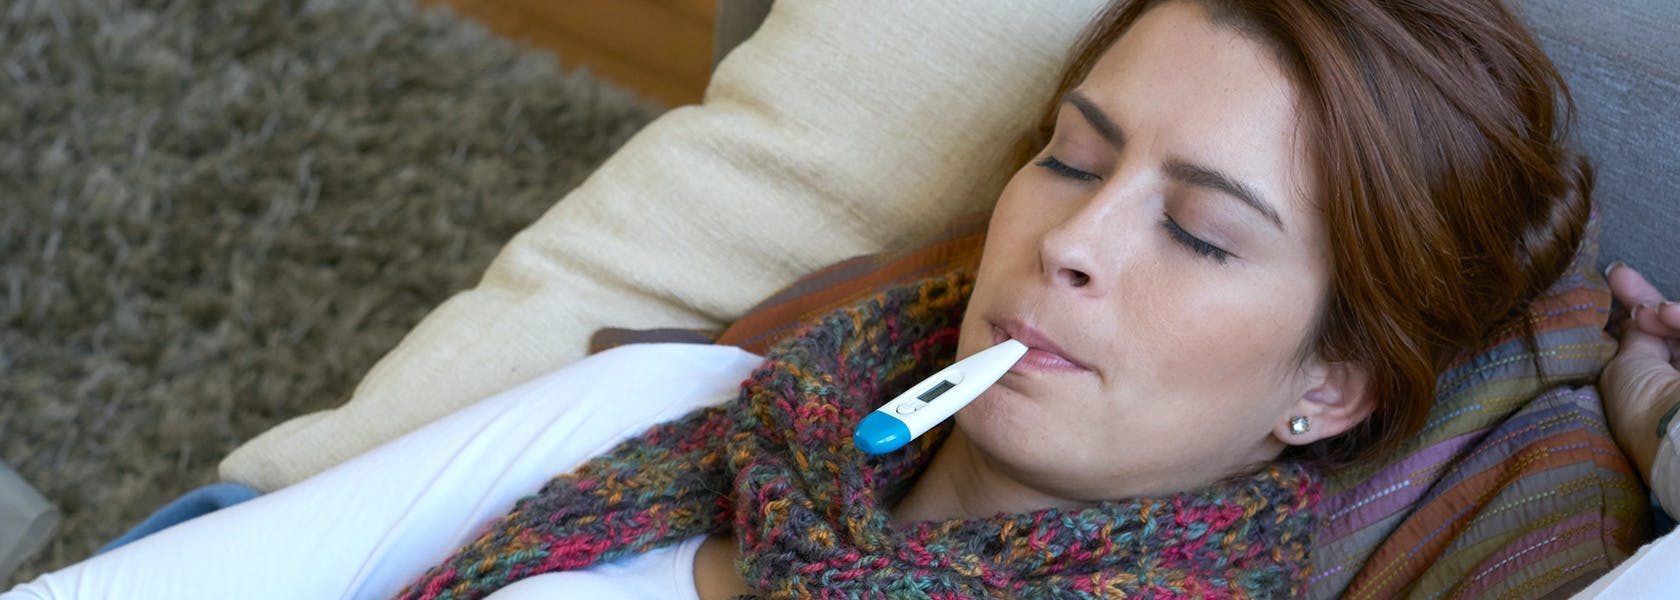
216,215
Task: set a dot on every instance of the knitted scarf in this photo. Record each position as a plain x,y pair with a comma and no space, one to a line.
811,512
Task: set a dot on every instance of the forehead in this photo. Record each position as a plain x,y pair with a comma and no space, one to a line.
1208,93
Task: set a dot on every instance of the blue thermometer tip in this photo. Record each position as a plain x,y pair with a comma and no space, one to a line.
880,434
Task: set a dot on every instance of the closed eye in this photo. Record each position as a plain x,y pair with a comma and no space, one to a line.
1058,167
1195,244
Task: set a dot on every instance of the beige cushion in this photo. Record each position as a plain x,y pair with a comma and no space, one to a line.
838,129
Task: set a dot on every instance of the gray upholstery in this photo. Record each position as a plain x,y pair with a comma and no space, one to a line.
736,20
1623,67
1622,63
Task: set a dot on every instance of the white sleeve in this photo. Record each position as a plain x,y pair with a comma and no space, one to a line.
370,526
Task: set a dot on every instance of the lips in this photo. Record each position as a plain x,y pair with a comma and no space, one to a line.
1042,352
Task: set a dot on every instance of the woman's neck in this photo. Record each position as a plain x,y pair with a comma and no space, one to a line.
960,482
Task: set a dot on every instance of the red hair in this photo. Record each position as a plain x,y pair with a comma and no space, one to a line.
1437,128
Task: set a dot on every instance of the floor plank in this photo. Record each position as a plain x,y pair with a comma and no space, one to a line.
659,48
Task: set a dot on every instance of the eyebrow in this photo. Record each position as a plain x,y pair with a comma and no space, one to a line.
1105,126
1210,178
1177,169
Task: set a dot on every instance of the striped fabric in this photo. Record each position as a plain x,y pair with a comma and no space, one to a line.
1514,488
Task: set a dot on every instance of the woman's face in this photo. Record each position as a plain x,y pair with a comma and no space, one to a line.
1164,259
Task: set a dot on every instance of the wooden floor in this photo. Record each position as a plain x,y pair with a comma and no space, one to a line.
662,49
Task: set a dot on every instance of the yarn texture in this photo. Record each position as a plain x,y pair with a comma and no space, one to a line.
811,513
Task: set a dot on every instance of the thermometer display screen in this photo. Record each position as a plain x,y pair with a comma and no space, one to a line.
936,391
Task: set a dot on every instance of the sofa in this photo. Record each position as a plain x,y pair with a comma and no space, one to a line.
832,130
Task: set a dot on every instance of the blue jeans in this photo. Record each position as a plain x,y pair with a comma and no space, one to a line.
202,501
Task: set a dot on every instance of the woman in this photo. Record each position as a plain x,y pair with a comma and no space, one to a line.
1255,231
1274,255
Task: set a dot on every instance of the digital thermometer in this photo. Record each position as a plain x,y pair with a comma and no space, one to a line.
935,399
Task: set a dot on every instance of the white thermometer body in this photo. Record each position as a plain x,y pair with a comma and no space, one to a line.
929,403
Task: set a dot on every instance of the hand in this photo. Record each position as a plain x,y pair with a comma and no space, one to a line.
1643,381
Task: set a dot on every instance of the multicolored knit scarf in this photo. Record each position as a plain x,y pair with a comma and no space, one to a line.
811,512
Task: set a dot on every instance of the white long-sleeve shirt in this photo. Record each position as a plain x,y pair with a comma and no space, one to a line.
372,525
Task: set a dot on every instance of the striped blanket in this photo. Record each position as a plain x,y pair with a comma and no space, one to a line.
1514,489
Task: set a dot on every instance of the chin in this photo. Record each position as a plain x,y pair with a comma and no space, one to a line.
1033,461
1007,426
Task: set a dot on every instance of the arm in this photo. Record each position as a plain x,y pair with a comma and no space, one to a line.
375,523
1641,385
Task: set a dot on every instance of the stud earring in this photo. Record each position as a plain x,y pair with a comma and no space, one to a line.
1298,425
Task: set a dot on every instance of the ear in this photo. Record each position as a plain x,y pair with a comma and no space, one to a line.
1339,399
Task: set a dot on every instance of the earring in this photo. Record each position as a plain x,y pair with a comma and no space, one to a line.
1298,425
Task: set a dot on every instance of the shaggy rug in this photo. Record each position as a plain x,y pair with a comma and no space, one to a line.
217,215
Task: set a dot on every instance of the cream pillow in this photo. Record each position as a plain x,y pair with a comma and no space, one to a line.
838,129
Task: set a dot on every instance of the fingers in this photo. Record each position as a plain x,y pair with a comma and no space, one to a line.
1630,287
1650,311
1669,314
1651,320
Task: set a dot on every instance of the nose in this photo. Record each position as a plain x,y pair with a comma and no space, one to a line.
1078,252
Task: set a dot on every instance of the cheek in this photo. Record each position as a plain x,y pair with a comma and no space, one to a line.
1012,216
1033,202
1225,341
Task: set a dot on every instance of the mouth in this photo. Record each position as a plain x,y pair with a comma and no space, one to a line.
1042,353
